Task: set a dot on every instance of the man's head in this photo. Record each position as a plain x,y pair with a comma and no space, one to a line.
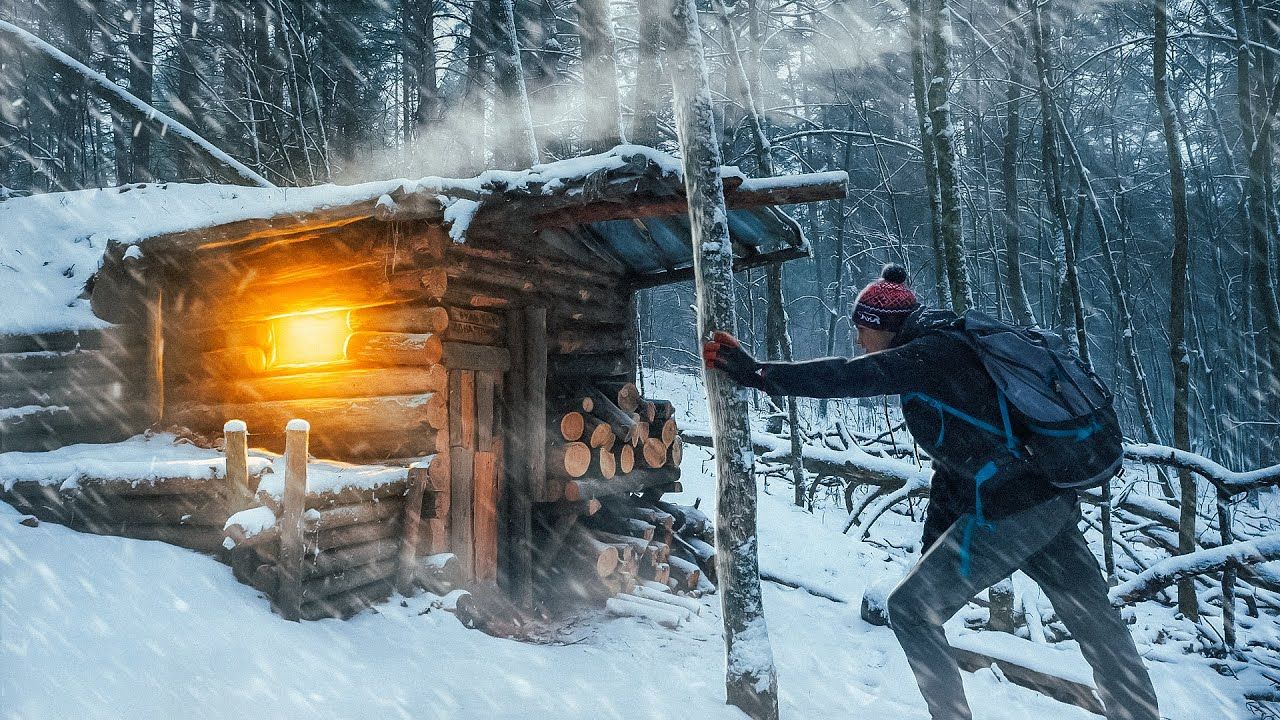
882,307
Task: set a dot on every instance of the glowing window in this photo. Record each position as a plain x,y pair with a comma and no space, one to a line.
311,338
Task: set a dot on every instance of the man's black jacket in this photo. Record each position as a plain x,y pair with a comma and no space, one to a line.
925,359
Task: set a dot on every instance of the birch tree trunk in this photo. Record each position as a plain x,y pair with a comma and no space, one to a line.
751,682
937,28
919,56
1187,601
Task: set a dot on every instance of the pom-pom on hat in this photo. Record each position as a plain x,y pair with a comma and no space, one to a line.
885,303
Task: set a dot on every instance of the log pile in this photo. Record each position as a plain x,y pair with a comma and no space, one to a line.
621,546
604,439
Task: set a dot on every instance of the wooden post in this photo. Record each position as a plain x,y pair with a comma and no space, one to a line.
535,359
419,473
289,597
154,333
236,435
517,551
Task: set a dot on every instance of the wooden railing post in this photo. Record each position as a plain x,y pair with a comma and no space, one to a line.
236,435
289,597
418,478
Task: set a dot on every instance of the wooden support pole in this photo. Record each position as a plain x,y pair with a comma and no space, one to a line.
535,358
517,553
236,435
154,328
289,598
419,474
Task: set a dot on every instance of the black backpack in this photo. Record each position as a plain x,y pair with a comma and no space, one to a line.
1072,434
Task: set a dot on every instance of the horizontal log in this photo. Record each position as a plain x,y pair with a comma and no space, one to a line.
569,426
352,382
330,418
590,366
654,452
568,460
43,501
233,362
113,339
623,394
602,556
475,334
125,489
15,393
637,480
623,607
479,318
580,340
393,348
347,604
404,318
156,510
79,368
467,356
205,539
339,560
345,496
357,535
685,573
90,421
332,518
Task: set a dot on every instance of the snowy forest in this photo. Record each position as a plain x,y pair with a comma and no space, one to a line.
1105,169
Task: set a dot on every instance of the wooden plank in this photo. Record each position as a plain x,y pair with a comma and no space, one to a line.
455,407
468,356
467,408
154,337
409,525
485,418
516,553
535,328
485,516
461,491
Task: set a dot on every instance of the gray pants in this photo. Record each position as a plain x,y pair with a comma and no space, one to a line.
1044,543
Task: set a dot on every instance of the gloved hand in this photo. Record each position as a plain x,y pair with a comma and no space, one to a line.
723,352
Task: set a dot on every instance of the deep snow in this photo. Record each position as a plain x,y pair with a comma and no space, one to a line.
102,627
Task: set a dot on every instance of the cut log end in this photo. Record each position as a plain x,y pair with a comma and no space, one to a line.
572,425
654,453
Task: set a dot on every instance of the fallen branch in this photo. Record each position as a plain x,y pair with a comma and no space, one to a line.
1171,570
1226,480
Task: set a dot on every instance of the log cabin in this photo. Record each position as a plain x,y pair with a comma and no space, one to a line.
478,332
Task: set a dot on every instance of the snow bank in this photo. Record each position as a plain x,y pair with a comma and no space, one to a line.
142,459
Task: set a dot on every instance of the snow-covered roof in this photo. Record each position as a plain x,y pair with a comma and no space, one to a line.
51,244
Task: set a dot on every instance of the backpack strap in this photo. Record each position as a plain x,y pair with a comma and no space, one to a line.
1011,440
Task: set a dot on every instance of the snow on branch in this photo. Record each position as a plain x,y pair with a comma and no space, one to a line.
1227,480
129,105
1171,570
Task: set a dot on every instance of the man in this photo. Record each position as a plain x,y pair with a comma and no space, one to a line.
975,533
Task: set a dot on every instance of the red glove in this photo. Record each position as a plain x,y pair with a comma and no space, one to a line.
723,352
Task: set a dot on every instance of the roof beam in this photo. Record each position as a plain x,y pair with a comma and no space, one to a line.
740,264
752,192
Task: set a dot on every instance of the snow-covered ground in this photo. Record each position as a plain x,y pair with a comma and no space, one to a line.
102,627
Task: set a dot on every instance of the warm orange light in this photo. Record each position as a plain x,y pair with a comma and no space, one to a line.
310,338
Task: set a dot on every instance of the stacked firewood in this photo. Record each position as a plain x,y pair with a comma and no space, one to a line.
622,548
607,439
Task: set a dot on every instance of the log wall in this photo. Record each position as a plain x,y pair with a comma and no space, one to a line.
70,387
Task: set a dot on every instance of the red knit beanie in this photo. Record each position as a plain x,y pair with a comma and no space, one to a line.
886,302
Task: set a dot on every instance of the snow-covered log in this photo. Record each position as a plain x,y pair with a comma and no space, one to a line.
1171,570
128,105
1227,480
